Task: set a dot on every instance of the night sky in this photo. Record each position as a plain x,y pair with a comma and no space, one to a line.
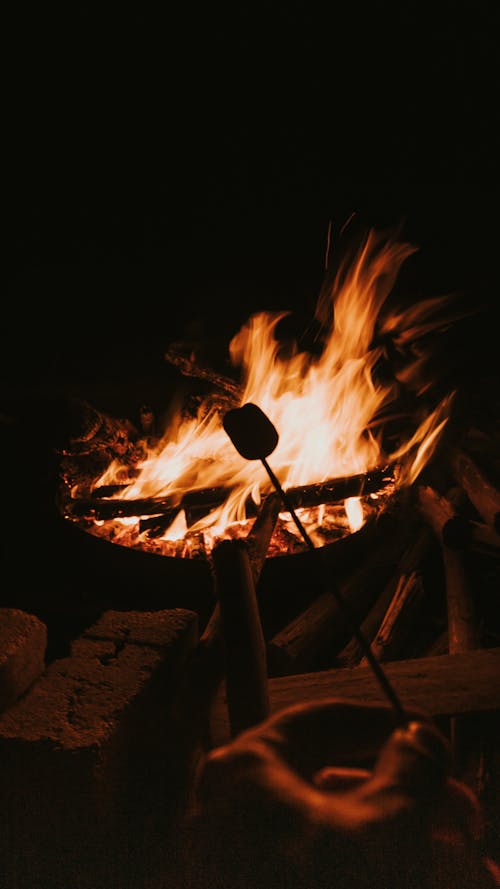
168,175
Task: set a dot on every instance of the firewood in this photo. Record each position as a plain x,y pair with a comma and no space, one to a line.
323,625
399,618
463,629
80,429
479,489
442,514
459,684
259,536
257,541
209,661
462,623
201,501
189,368
86,440
389,619
484,538
244,645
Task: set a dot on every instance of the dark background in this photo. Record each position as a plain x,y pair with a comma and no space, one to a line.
167,174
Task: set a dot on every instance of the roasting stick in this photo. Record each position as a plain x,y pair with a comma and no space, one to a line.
255,437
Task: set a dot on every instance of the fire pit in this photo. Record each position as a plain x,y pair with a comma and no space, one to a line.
351,433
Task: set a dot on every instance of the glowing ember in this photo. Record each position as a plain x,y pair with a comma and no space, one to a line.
329,409
354,512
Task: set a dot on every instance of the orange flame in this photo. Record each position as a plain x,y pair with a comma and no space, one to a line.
325,408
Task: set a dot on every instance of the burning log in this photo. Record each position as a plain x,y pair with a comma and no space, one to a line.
87,440
200,502
78,429
322,624
244,645
393,613
481,492
259,536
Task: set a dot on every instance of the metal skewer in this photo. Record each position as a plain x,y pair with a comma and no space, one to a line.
254,437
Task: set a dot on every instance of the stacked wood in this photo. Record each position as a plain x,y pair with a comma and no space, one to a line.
323,624
390,620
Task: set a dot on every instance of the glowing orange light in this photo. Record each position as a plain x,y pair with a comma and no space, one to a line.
325,407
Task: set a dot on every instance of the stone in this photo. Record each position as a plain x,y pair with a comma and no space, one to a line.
23,645
95,751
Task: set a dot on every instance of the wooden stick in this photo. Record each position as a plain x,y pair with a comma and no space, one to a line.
439,512
479,489
457,684
406,603
257,540
259,536
463,628
244,645
484,538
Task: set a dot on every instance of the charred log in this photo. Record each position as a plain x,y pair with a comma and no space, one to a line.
200,502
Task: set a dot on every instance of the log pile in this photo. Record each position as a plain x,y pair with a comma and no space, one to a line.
424,584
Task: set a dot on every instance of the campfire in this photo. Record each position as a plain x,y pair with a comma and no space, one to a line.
169,565
357,418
